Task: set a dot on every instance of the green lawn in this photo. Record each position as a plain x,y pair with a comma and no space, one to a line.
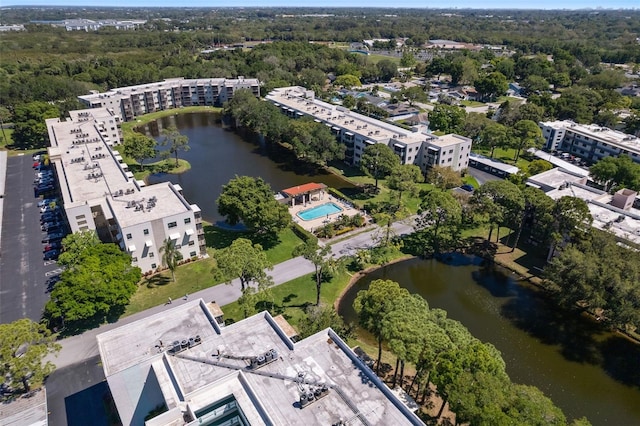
6,138
472,103
162,166
507,155
147,118
291,298
196,276
468,179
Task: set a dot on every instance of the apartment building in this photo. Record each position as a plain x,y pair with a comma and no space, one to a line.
357,131
99,192
589,141
247,373
132,101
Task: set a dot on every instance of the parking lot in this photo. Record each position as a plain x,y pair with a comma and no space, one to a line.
23,271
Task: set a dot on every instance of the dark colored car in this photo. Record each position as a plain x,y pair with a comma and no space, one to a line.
50,216
468,187
53,237
52,227
54,245
51,254
41,190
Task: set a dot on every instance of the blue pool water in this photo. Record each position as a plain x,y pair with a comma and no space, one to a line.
319,211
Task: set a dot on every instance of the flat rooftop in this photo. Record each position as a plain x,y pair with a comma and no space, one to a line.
170,83
87,167
375,130
219,366
623,224
597,132
555,178
149,203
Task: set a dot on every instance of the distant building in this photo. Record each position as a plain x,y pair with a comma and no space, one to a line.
357,131
92,25
4,28
99,192
132,101
589,141
185,367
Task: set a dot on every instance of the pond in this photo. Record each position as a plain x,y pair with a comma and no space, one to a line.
218,154
583,368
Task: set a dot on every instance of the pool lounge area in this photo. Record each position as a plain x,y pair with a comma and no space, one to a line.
323,210
312,207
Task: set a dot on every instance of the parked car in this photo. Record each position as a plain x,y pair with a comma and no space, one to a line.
51,254
50,216
52,226
47,208
38,191
38,155
44,181
55,245
47,201
467,187
53,237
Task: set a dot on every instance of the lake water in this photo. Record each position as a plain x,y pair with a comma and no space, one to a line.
586,370
218,154
583,368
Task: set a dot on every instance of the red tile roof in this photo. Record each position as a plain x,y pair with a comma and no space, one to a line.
294,191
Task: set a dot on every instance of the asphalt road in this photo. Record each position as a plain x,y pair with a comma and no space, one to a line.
23,272
80,353
481,176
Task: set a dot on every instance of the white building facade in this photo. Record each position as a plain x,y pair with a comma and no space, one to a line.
357,131
132,101
99,193
589,141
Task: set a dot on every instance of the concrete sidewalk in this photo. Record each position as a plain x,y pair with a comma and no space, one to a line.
76,349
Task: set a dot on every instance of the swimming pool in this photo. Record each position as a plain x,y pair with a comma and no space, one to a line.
319,211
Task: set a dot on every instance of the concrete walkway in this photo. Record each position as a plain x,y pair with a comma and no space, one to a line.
77,349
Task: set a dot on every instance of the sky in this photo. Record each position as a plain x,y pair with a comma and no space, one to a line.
473,4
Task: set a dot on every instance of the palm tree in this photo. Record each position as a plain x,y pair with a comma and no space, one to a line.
170,256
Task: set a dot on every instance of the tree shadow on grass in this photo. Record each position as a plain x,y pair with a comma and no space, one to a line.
289,297
157,281
218,238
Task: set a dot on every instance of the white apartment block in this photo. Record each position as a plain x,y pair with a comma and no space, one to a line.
100,193
130,102
589,141
357,131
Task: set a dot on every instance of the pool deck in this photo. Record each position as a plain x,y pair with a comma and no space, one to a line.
317,200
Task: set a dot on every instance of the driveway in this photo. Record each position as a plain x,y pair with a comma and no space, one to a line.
23,272
481,176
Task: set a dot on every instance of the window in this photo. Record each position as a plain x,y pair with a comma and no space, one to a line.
80,217
154,266
187,220
178,246
134,259
192,254
82,222
146,232
151,254
172,225
129,236
191,243
450,151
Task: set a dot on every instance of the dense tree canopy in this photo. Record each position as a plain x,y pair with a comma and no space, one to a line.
30,130
246,261
378,161
98,286
140,147
23,346
251,201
